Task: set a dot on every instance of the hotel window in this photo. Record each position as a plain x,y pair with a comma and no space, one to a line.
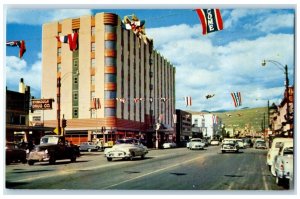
75,95
110,78
93,30
110,94
110,111
93,63
110,28
75,112
93,95
110,44
59,52
59,67
93,80
93,47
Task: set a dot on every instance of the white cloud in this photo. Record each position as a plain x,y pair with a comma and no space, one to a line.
274,22
17,69
26,16
203,68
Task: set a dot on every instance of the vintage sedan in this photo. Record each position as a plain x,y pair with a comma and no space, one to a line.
126,149
88,146
168,145
52,148
14,153
229,145
196,143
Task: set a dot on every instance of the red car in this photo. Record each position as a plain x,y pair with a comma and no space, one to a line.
14,153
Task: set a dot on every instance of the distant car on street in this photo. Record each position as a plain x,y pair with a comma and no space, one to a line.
260,144
88,146
229,145
14,153
215,142
168,145
196,143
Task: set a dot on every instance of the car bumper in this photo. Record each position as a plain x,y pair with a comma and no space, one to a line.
38,156
118,154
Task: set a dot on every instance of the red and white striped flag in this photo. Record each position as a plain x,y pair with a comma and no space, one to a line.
188,101
211,20
237,98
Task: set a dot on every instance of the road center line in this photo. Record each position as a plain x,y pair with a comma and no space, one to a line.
159,170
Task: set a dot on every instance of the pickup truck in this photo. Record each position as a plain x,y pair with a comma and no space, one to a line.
52,148
283,164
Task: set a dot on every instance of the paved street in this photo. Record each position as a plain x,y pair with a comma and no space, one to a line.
168,169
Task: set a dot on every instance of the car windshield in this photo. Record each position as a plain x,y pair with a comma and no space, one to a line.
229,142
49,140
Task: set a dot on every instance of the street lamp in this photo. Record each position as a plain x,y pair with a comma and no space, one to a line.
284,68
59,81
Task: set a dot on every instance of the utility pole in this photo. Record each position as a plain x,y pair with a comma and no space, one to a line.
58,104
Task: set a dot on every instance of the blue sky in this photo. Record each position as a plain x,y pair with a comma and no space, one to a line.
218,63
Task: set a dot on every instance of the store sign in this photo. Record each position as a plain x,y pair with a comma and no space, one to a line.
41,104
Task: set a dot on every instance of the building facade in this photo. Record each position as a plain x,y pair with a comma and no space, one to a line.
113,85
210,125
183,126
18,125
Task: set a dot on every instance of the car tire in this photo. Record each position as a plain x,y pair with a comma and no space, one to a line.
223,151
109,159
24,161
30,162
278,181
73,158
132,156
52,160
142,156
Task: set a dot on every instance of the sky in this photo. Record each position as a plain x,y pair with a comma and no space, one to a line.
217,63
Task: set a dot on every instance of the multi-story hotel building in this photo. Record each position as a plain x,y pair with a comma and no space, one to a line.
135,85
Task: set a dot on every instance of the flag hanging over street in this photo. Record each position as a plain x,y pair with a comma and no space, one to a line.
20,44
211,20
237,99
188,101
70,39
215,119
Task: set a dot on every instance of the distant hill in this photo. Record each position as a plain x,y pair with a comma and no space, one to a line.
250,117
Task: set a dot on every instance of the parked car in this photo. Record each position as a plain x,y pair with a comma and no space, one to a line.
215,142
14,153
283,164
273,151
88,146
168,145
52,148
240,142
196,143
260,144
229,145
126,149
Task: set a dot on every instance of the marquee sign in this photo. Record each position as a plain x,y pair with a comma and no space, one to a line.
41,104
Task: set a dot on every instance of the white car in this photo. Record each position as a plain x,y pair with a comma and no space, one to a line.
126,149
169,145
214,142
196,143
229,145
283,164
273,151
